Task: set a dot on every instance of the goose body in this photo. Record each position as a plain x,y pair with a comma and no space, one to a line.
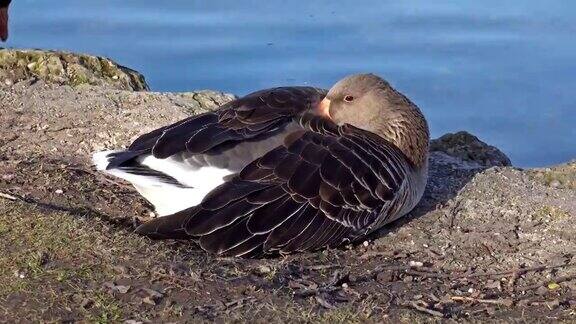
282,170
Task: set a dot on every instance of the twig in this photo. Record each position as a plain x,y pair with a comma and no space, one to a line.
425,272
323,267
518,271
515,272
425,310
428,274
547,281
505,302
7,196
371,254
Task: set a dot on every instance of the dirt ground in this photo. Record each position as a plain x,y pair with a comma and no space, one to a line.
485,244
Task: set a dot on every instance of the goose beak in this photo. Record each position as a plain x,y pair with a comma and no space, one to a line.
4,24
323,108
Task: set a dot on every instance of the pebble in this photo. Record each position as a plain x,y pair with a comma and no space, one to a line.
385,276
19,274
416,264
7,177
149,301
59,191
555,184
541,290
264,269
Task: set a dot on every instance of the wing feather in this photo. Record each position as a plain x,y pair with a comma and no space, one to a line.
325,185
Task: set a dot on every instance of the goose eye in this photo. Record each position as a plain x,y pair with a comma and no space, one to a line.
348,98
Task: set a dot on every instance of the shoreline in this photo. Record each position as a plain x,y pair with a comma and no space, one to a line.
484,230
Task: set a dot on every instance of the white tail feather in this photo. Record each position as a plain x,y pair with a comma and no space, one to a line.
168,198
100,159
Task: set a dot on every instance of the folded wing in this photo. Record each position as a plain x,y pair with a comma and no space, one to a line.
325,185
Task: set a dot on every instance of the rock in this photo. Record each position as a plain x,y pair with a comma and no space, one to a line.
558,177
67,68
210,97
204,98
468,147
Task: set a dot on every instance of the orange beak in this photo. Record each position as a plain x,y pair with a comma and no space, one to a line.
323,108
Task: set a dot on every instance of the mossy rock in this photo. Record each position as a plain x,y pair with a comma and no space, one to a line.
67,68
469,148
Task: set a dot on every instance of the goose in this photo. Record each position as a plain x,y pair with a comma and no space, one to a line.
282,170
4,19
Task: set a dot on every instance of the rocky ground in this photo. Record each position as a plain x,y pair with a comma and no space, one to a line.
488,242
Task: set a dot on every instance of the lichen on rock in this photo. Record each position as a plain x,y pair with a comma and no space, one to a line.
67,68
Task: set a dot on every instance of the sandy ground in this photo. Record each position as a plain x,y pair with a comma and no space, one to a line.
494,244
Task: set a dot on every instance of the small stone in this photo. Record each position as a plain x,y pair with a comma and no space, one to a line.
263,269
115,77
122,289
416,264
59,191
365,243
153,296
494,285
385,276
19,274
555,184
541,290
7,177
408,279
149,301
344,285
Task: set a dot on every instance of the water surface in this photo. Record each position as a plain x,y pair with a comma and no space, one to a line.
505,71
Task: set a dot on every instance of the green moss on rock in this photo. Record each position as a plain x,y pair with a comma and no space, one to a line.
67,68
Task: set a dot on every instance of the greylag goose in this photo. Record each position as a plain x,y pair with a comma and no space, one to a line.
4,19
282,170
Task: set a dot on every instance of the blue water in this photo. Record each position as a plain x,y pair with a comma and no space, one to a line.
503,70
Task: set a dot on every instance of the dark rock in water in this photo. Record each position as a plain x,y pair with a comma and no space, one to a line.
469,148
67,69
